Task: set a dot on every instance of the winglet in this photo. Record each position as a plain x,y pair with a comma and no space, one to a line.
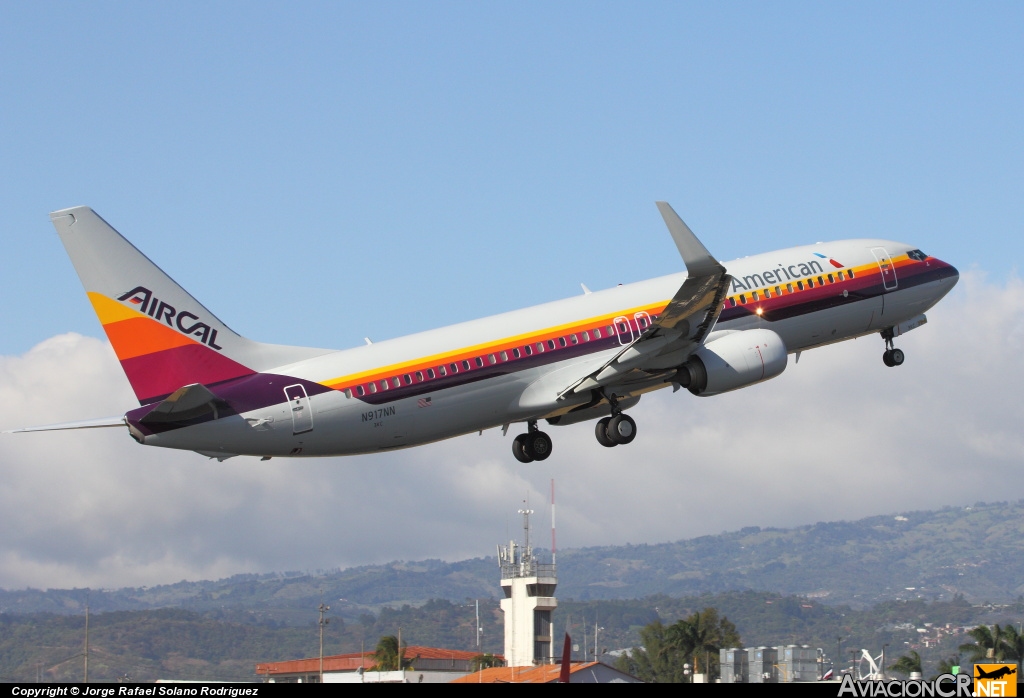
696,257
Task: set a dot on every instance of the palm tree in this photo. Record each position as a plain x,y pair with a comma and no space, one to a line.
386,654
484,661
1013,644
908,663
988,643
946,665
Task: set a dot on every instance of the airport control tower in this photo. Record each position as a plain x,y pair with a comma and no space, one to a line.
529,588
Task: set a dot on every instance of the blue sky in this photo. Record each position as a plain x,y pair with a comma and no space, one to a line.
318,173
322,172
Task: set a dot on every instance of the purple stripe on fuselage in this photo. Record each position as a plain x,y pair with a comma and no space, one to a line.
239,394
264,389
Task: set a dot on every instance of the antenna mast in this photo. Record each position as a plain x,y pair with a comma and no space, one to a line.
552,521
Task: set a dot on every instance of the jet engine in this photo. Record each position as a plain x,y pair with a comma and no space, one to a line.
734,361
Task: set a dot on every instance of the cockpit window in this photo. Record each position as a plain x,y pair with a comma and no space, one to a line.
917,255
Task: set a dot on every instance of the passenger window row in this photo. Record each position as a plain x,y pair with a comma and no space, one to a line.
793,287
414,377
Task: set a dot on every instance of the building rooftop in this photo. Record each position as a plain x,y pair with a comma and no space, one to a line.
545,673
354,660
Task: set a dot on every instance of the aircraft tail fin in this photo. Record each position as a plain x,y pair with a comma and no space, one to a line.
163,337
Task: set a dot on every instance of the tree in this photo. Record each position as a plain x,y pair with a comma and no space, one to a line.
1013,644
485,661
988,643
946,665
694,640
386,655
907,664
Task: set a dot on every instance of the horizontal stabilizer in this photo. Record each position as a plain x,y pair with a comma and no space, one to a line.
85,424
191,402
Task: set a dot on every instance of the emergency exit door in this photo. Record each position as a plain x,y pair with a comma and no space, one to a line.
301,409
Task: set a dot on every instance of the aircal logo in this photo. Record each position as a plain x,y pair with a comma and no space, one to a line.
781,274
161,311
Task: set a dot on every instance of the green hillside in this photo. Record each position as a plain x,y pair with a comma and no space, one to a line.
223,645
975,552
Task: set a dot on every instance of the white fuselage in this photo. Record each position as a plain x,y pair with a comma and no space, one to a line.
349,419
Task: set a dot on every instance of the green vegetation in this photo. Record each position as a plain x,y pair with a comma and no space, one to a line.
907,664
881,580
387,656
175,643
977,552
485,661
670,653
994,644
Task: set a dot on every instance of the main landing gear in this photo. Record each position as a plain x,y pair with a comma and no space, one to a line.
892,356
531,446
617,429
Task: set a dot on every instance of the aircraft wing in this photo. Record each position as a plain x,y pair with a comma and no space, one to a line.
679,330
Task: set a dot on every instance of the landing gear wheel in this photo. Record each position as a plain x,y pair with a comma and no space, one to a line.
537,445
601,432
622,429
892,356
519,449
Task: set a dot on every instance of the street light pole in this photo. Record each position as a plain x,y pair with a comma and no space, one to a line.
323,621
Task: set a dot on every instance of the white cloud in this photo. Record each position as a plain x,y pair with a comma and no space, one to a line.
837,436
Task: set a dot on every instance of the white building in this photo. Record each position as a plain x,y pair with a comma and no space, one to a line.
529,587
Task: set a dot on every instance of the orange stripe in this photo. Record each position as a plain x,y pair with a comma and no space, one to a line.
139,336
343,382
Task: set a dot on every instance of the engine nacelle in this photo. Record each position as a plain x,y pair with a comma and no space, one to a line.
734,361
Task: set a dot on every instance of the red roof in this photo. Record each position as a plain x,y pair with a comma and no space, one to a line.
353,660
545,673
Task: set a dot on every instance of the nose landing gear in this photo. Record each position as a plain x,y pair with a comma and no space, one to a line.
531,446
617,429
892,356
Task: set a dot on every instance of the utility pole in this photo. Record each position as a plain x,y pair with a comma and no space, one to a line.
323,621
839,658
87,641
478,628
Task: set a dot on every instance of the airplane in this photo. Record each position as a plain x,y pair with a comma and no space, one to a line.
999,673
713,329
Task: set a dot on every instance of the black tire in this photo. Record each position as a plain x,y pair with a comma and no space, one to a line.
538,445
896,357
622,429
519,449
601,432
887,358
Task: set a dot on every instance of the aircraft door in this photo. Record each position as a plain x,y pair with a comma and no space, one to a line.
623,330
887,268
302,410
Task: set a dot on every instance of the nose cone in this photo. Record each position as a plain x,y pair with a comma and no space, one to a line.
945,274
951,274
